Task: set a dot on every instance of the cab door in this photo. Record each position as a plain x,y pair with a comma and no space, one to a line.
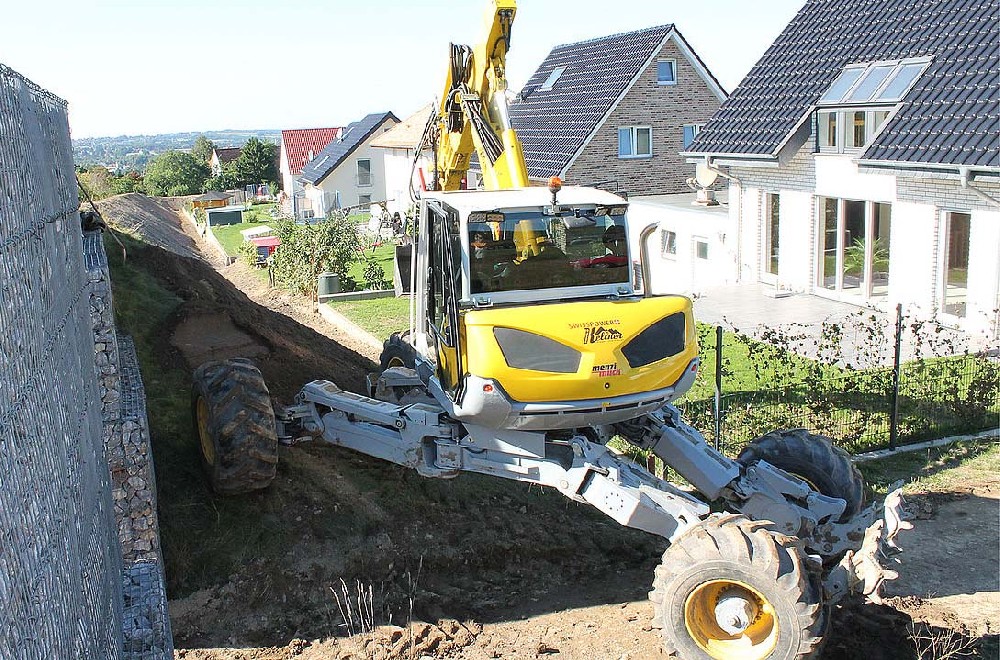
445,290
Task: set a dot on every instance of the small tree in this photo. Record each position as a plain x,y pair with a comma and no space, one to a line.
306,251
174,173
255,163
202,149
127,183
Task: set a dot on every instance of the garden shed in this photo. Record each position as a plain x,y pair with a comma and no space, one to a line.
224,215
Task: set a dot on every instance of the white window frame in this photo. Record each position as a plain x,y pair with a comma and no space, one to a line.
696,128
633,138
673,67
665,243
362,200
944,241
845,124
551,80
700,240
371,178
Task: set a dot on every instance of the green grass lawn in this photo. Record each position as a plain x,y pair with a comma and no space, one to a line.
934,469
383,255
259,213
380,317
231,239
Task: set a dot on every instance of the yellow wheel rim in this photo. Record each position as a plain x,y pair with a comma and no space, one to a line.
204,437
731,620
395,362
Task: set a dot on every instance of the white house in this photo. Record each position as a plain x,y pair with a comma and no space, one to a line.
689,250
865,168
348,171
298,148
399,147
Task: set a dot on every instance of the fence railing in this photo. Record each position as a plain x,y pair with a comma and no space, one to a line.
862,410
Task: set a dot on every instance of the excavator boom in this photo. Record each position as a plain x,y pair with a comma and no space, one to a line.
472,115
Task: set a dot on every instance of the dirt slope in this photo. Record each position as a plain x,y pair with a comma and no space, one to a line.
501,569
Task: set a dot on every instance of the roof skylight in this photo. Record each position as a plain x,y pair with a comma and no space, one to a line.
553,77
877,82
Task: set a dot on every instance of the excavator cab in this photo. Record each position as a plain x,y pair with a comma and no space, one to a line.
529,314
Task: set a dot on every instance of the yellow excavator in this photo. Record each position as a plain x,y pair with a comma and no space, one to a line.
534,340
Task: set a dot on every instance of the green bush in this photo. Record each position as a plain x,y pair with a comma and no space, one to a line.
248,253
306,251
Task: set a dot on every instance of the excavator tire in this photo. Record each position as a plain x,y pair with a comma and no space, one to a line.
731,588
234,424
396,353
814,459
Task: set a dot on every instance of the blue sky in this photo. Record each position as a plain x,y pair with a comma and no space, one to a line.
160,66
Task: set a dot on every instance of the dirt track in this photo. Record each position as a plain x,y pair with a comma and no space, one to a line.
502,570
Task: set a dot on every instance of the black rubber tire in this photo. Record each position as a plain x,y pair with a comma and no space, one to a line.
238,427
813,458
397,353
732,548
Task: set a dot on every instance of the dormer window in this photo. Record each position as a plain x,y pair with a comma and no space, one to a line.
877,82
857,103
553,77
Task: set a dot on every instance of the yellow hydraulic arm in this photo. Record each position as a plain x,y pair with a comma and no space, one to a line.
473,110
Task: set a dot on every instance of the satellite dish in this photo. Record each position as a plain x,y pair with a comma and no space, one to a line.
704,175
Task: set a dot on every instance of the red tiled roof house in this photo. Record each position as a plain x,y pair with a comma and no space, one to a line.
298,148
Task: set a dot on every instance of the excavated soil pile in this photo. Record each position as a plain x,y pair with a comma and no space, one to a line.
343,543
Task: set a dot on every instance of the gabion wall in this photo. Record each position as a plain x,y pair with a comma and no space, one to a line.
61,567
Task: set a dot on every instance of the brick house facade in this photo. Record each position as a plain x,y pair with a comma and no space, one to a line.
664,108
571,111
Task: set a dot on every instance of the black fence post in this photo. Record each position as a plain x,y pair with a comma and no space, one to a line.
894,400
718,387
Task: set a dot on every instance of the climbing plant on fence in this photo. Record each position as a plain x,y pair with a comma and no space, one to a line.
853,391
306,251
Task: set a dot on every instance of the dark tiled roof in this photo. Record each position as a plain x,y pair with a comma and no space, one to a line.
553,124
228,154
949,117
336,152
299,143
212,196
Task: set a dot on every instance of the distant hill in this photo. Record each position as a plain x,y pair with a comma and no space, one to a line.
132,152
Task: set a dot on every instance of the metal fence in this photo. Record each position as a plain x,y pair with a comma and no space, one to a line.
60,561
862,410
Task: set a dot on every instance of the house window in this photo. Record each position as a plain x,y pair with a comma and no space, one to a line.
956,265
771,233
876,82
827,130
364,172
553,77
666,72
701,248
857,130
900,83
635,142
848,130
871,81
364,199
668,244
690,133
854,248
